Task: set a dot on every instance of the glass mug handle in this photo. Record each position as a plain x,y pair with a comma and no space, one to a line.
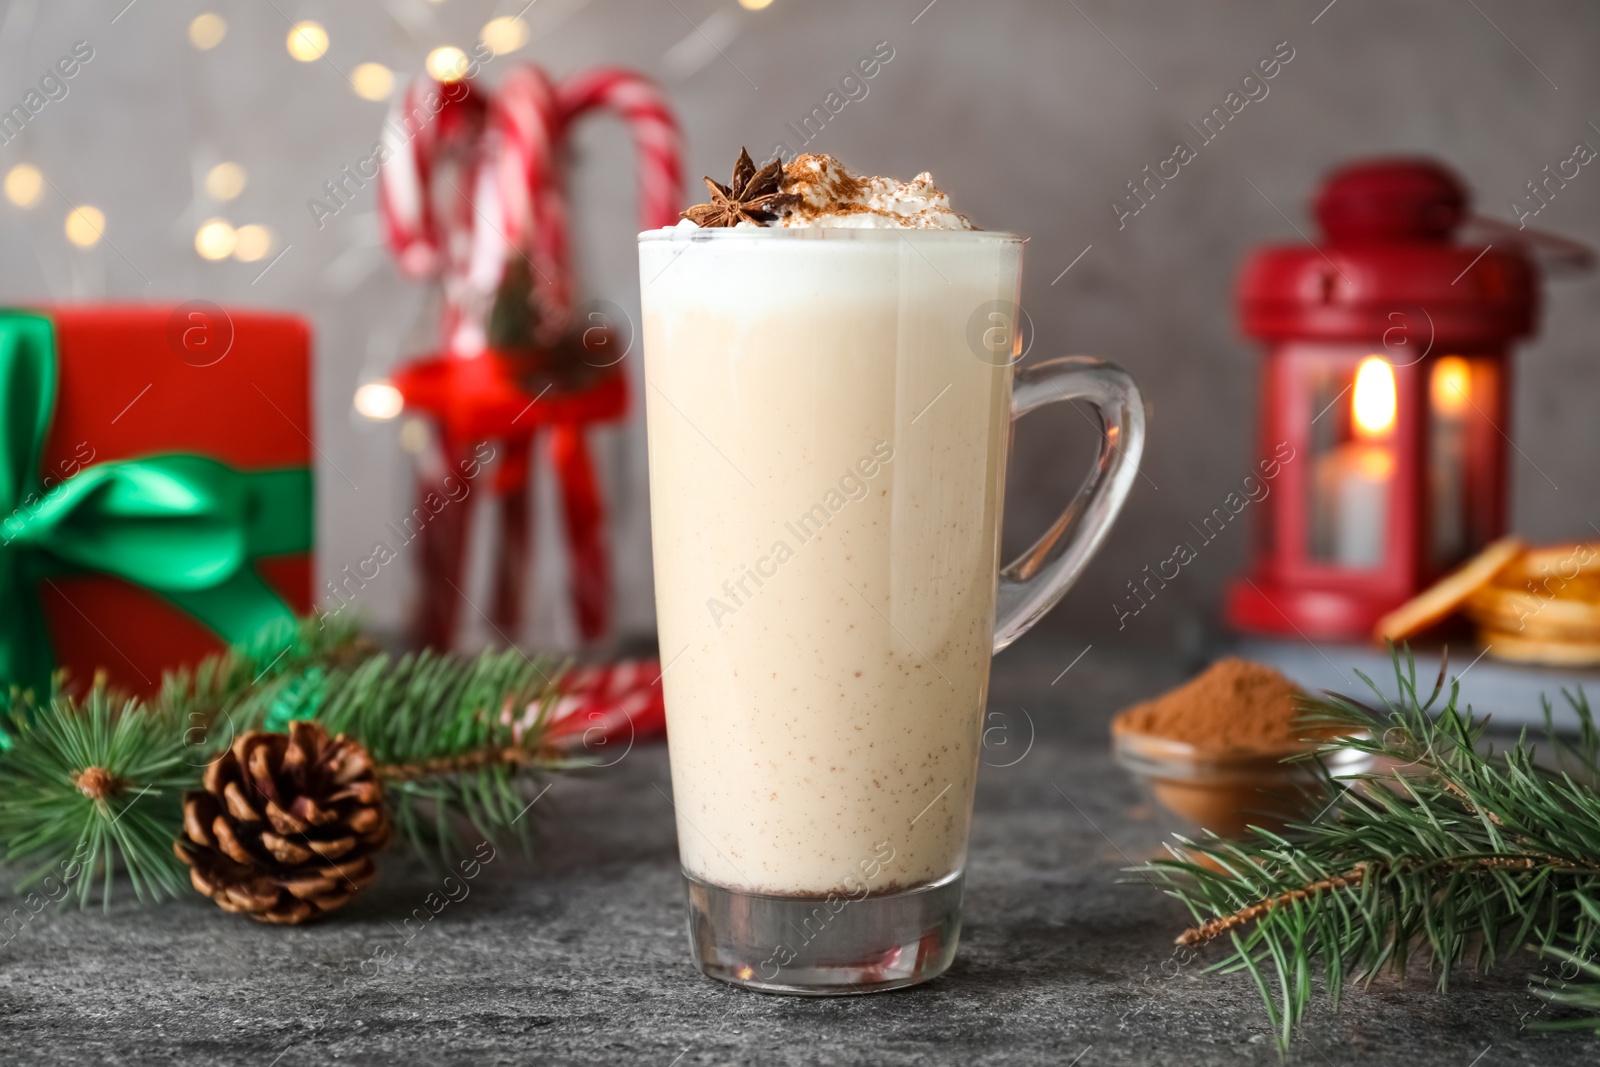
1036,581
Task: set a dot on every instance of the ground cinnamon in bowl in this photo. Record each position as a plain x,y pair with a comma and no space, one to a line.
1234,706
1212,750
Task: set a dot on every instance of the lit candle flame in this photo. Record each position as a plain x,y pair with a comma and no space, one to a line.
1452,379
1372,408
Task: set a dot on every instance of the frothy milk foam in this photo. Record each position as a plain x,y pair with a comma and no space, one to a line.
826,452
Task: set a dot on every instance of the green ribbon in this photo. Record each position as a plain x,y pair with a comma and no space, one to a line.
184,526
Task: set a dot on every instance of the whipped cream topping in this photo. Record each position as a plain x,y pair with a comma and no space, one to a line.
818,192
825,194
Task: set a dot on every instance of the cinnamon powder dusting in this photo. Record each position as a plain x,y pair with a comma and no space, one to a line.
816,190
820,186
1233,706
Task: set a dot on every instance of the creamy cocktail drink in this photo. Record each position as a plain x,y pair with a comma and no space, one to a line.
829,396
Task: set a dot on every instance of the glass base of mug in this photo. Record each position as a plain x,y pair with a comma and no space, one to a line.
821,946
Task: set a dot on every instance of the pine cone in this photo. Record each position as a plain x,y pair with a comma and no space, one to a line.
287,825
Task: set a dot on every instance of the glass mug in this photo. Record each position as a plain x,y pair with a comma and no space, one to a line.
829,416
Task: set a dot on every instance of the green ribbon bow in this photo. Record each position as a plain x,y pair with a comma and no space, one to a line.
184,526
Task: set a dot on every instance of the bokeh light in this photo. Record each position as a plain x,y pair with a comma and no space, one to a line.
504,34
85,225
379,400
24,184
307,41
372,81
225,181
447,63
251,242
207,31
215,239
415,436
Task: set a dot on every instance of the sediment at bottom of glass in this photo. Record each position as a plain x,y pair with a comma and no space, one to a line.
825,946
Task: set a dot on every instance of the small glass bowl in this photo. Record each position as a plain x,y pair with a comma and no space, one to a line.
1228,792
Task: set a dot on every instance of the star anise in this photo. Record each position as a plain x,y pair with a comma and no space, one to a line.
756,195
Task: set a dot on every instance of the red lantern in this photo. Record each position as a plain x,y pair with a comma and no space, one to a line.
1385,399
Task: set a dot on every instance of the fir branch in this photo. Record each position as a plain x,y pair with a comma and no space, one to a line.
447,736
238,687
514,756
95,781
88,784
1449,852
1244,916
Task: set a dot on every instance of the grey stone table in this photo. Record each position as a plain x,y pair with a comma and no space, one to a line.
580,957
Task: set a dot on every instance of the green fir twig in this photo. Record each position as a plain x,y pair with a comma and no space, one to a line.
445,735
93,781
87,784
1447,854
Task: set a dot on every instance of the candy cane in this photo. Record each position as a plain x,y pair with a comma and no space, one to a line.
655,133
513,202
517,199
430,126
404,203
415,135
523,124
597,706
529,120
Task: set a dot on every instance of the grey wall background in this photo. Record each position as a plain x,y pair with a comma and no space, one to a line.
1033,113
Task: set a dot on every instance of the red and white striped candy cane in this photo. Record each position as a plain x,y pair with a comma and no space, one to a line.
516,200
598,708
434,129
404,186
531,121
524,131
501,159
427,122
655,133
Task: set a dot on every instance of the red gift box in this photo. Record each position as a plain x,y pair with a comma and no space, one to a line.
135,382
